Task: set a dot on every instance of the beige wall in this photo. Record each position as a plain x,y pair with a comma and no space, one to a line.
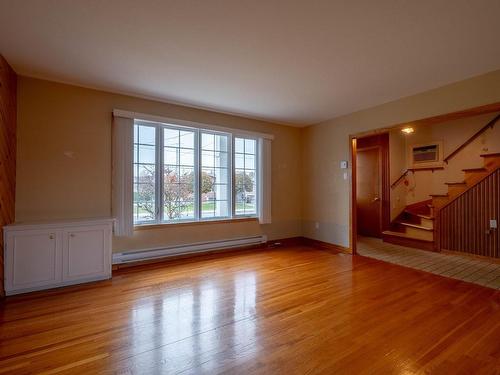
325,192
64,162
397,165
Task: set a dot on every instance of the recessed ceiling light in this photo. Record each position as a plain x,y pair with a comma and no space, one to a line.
408,130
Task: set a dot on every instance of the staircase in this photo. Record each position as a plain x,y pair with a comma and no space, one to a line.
415,226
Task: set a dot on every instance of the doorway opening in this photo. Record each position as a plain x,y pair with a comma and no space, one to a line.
372,185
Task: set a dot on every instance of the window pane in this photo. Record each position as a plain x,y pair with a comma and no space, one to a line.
249,161
186,139
207,141
208,159
146,135
170,155
179,178
146,154
221,159
239,160
144,202
239,145
245,176
170,137
215,176
249,146
221,142
186,157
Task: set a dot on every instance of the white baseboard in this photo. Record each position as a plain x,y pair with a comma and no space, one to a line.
199,247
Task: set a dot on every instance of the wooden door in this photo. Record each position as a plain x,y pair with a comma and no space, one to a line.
369,188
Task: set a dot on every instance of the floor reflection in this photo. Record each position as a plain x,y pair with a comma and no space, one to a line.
187,323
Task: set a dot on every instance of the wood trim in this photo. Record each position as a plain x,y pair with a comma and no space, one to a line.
8,122
326,246
490,124
353,227
191,223
288,242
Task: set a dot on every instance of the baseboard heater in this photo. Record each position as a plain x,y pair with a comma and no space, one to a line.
199,247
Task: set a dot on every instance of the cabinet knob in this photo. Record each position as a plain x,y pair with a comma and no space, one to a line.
72,235
51,236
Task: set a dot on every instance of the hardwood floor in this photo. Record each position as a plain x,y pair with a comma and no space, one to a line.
293,310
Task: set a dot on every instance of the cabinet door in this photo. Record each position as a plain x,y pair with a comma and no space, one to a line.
33,259
87,253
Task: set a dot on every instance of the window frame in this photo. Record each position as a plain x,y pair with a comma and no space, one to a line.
257,177
198,169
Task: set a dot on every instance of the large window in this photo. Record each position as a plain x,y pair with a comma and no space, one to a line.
187,174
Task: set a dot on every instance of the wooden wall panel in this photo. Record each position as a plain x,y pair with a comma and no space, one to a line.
8,112
464,223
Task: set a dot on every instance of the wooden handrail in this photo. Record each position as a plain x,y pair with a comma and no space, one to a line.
393,185
490,124
432,169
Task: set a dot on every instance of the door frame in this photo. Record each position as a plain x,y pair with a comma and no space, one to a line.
384,181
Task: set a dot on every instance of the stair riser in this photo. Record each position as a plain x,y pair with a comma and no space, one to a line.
420,234
427,223
409,243
491,162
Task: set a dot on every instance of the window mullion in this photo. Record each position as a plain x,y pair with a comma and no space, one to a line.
198,175
233,179
159,179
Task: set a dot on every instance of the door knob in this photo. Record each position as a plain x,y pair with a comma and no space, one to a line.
376,199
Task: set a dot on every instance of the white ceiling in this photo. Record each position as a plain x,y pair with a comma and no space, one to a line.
290,61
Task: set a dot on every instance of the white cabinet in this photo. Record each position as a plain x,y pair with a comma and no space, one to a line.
46,255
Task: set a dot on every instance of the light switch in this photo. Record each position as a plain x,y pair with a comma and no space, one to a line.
343,164
493,224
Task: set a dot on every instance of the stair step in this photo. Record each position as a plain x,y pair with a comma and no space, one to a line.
475,170
456,183
417,226
439,195
491,155
403,235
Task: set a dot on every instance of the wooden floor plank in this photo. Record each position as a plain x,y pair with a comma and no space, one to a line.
292,310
